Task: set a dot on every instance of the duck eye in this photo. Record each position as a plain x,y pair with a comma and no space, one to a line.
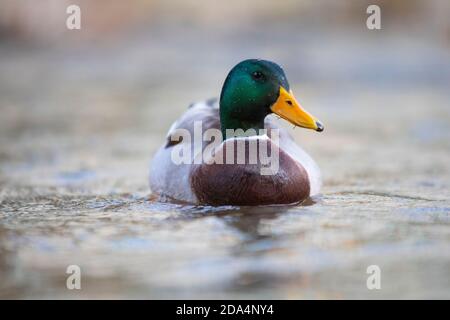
258,75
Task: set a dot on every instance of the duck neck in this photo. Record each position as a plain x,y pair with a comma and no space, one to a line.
232,127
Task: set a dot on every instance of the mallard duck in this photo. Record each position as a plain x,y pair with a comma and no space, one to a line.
252,90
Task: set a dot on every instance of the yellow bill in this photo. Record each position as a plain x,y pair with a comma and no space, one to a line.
288,108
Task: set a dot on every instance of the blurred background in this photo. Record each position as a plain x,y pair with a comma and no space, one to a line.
82,112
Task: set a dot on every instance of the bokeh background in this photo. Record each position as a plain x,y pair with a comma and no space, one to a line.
82,112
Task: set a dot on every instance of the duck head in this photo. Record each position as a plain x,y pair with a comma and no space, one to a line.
254,89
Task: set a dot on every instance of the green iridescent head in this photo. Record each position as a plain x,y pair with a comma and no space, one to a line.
255,88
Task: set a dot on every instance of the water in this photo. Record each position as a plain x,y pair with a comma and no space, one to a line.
78,128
